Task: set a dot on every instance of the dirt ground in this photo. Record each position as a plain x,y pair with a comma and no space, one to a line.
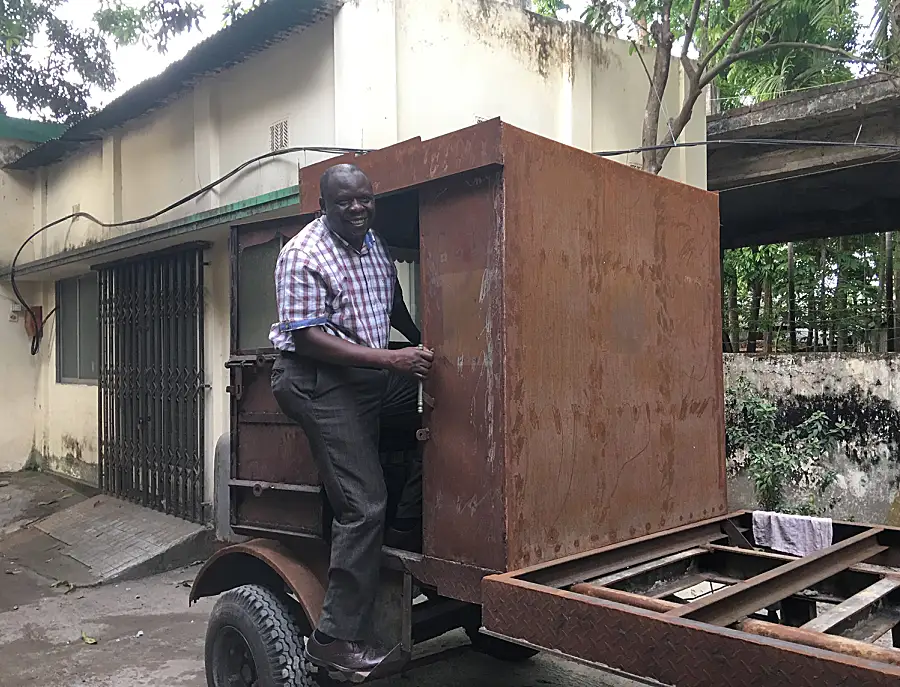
144,634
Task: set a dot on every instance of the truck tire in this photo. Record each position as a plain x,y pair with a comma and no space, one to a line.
253,640
497,648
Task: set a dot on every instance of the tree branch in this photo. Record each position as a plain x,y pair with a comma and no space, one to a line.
691,26
677,125
662,32
739,35
743,20
689,38
729,60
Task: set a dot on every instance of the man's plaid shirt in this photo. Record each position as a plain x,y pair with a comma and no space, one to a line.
322,281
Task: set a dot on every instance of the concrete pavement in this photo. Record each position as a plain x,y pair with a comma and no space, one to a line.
147,636
86,538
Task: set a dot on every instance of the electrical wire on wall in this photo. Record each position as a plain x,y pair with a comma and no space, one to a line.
39,326
890,149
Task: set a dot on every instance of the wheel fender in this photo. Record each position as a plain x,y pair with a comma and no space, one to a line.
267,562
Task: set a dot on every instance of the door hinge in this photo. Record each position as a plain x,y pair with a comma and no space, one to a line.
237,388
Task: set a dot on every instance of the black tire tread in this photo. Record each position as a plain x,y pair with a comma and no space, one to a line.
281,637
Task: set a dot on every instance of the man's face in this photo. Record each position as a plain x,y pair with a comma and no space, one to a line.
349,205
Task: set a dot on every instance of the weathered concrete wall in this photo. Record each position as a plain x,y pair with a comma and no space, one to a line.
863,392
18,369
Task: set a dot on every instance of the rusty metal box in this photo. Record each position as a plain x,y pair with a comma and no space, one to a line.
574,307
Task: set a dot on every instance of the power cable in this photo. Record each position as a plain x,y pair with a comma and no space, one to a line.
39,326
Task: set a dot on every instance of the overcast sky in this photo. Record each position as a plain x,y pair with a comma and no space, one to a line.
136,63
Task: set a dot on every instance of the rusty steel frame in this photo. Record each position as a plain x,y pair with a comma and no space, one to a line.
568,604
765,629
697,643
739,601
567,571
849,612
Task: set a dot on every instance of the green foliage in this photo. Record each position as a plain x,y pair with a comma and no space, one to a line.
774,74
550,8
235,9
839,302
786,462
48,67
885,43
755,77
154,23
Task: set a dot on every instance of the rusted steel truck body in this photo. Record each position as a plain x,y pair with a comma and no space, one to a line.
572,435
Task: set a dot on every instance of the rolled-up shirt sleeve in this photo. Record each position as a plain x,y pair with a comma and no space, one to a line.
302,293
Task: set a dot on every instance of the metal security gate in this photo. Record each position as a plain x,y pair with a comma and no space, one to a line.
151,412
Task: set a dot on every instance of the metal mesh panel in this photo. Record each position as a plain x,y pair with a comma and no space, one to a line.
151,400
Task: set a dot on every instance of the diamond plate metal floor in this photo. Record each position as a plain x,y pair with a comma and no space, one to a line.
114,539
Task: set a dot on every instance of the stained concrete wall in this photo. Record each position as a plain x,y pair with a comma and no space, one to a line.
19,371
863,392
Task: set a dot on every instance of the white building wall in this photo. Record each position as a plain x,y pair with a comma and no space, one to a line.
66,422
69,186
461,60
157,161
366,75
217,319
18,369
292,81
379,72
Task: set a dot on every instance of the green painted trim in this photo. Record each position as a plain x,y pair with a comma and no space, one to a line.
17,129
242,209
282,198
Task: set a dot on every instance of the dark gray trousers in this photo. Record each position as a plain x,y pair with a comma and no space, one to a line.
341,410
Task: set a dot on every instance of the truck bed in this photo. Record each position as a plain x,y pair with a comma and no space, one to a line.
701,606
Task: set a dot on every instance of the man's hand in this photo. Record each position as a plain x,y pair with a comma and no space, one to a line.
415,362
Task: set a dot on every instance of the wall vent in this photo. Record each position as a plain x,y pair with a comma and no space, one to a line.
279,137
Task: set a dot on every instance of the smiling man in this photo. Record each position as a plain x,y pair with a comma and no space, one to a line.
338,297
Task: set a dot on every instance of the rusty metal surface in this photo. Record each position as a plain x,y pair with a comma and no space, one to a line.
462,293
571,407
858,608
756,627
414,162
844,530
614,370
566,571
268,445
285,511
674,651
738,601
304,570
451,579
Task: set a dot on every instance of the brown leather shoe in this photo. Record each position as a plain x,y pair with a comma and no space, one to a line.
343,656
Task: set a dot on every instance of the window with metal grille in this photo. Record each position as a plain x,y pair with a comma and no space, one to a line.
77,332
278,136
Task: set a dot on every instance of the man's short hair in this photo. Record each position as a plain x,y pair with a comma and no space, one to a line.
332,172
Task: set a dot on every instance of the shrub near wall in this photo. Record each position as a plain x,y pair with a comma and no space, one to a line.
825,432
